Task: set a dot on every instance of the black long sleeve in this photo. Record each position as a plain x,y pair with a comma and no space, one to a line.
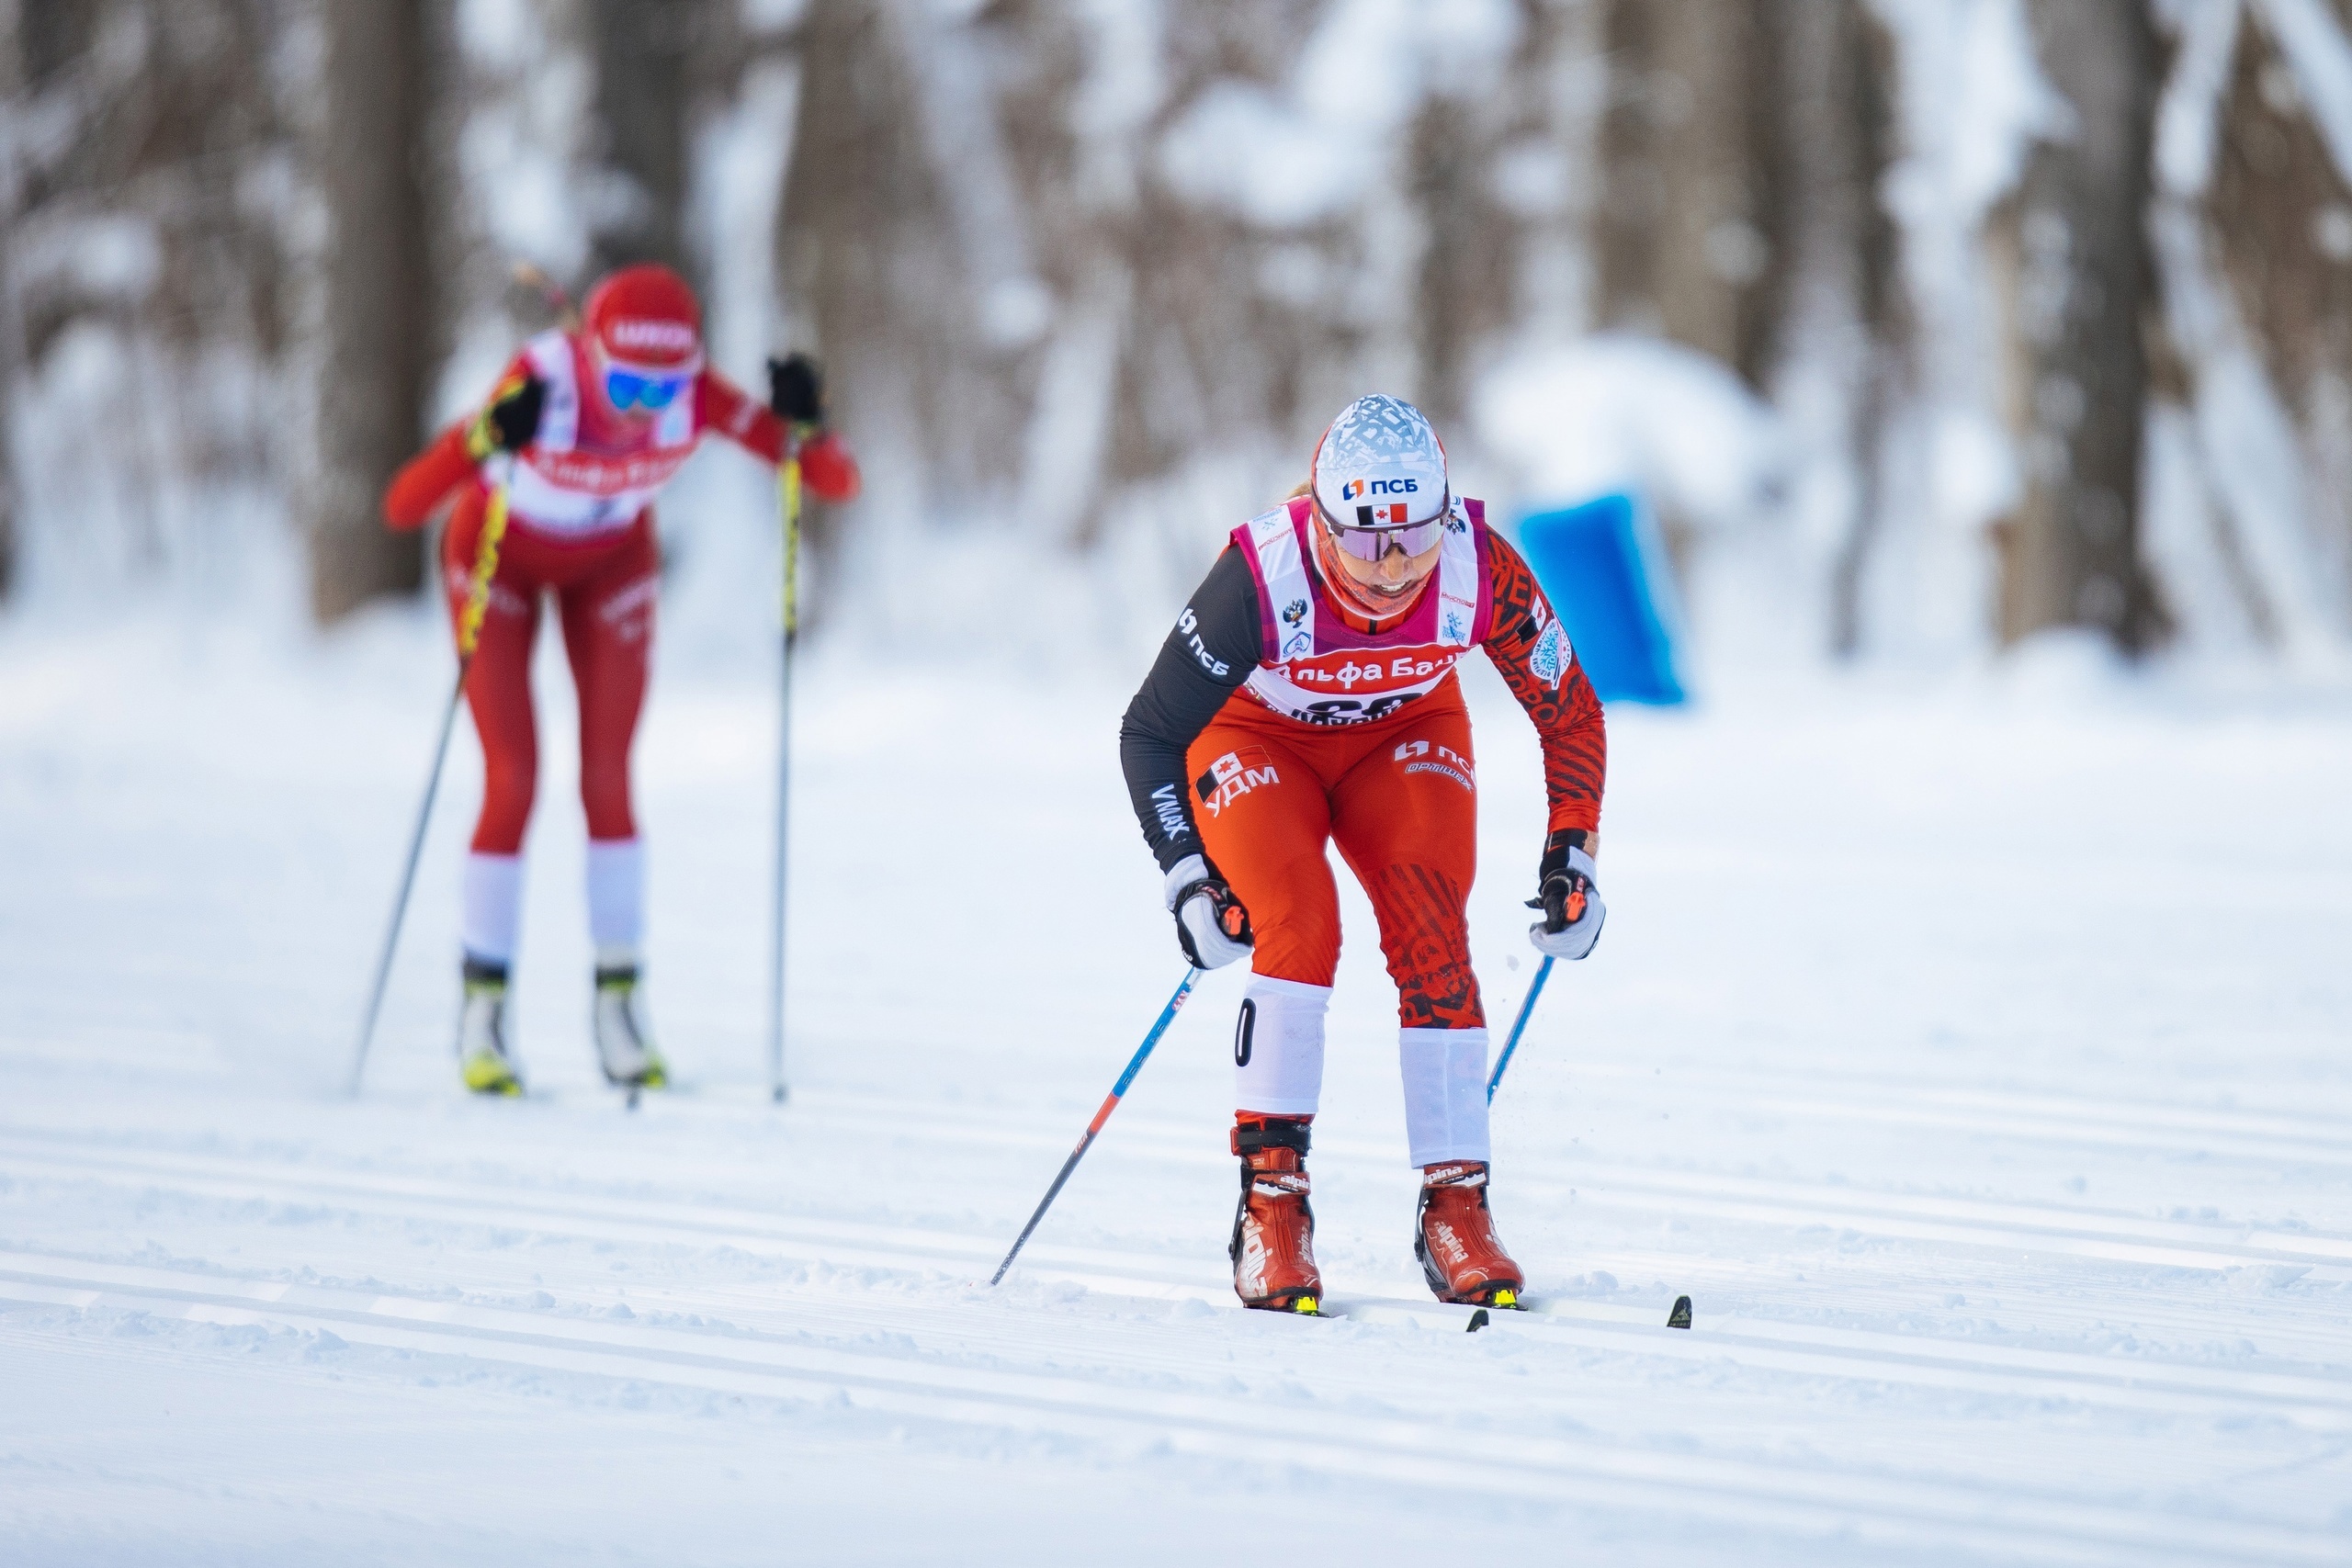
1212,650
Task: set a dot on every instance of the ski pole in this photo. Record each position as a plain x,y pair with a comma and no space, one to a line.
788,502
469,619
1167,1017
1535,989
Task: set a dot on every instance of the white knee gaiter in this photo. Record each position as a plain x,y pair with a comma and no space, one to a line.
492,916
617,898
1445,1093
1278,1047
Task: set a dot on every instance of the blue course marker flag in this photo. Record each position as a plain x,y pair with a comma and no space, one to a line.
1604,569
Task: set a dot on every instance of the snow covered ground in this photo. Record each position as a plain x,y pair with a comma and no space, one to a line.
1978,1059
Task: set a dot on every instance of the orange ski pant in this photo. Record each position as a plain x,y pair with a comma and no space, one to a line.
1400,798
604,590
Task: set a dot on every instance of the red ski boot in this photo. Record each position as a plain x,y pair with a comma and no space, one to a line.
1461,1255
1274,1228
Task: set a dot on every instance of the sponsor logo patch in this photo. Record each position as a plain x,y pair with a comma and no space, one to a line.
629,332
1551,656
1234,775
1169,811
1187,627
1452,764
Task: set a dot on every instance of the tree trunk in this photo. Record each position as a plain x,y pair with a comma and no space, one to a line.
13,78
1680,240
2281,225
642,51
378,322
2081,278
1831,140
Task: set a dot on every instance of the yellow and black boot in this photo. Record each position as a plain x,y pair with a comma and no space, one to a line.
481,1031
625,1047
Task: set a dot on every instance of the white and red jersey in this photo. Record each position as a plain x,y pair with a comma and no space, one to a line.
591,473
590,470
1314,666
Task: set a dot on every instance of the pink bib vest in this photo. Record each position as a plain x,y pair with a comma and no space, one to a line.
1316,668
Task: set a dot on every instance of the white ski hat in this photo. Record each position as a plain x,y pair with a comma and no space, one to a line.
1380,466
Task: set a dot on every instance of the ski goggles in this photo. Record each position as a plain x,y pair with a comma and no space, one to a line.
630,388
1371,540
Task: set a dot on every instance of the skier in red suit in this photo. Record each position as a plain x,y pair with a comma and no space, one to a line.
589,424
1307,698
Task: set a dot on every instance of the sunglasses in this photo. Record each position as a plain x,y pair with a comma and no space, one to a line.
1372,544
627,389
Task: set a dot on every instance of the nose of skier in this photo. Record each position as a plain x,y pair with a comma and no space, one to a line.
1393,573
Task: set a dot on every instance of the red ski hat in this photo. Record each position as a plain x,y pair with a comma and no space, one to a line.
645,315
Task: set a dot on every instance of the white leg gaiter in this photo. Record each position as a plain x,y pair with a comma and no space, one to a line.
1445,1093
493,907
1278,1047
617,898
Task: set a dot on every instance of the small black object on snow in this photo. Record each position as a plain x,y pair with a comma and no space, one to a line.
1478,1321
1680,1316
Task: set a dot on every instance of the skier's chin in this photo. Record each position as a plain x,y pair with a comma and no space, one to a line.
1388,594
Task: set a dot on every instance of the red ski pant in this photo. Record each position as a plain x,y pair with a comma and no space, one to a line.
604,590
1400,798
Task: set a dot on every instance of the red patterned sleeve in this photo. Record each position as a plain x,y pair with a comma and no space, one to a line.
1531,647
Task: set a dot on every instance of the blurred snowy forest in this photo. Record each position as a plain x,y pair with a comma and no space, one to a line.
1927,324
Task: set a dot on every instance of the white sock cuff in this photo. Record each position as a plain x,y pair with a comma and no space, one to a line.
1444,1072
1278,1047
491,917
617,892
1294,993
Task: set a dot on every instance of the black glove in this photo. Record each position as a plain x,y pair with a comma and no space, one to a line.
797,390
511,420
1211,925
1565,892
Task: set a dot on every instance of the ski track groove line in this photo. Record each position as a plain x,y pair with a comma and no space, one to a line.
2317,1401
1387,1449
2262,1138
2182,1243
2001,1226
2264,1131
2052,1127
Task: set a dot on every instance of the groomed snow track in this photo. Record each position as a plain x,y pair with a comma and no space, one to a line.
943,1349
